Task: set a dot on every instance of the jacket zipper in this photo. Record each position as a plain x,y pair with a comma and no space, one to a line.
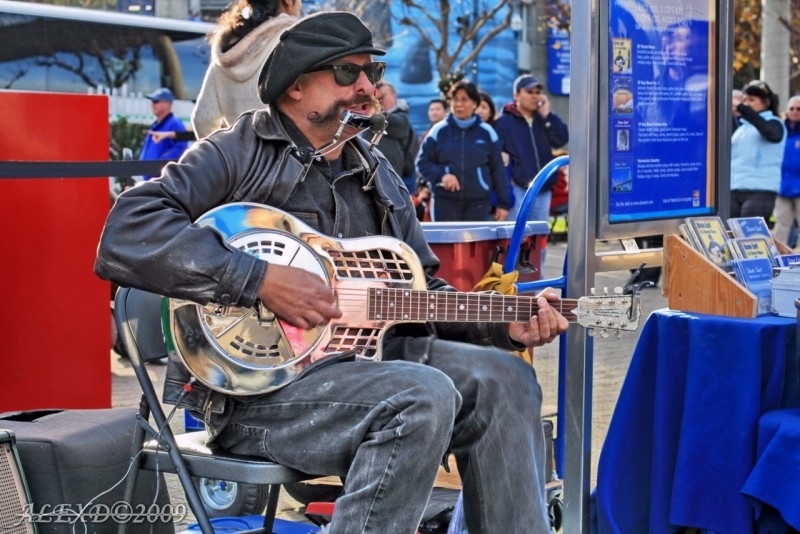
535,150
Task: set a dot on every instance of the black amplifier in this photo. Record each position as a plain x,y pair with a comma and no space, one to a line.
72,461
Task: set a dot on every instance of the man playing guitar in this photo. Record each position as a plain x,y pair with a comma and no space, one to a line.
384,426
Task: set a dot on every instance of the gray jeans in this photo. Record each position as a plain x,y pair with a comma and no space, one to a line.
787,211
385,428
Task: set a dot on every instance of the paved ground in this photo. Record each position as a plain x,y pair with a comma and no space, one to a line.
611,359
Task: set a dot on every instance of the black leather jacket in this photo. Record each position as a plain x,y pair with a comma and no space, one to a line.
149,241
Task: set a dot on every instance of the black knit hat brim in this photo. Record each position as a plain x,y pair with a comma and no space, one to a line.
311,42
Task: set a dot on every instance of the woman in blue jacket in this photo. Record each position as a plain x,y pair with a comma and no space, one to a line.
461,158
756,153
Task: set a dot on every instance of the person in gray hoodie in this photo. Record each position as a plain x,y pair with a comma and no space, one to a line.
246,34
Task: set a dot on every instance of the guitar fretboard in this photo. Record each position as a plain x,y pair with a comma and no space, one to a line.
386,304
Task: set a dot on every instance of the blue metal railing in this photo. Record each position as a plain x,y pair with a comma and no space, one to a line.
519,227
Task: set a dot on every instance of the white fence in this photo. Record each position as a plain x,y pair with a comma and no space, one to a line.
137,109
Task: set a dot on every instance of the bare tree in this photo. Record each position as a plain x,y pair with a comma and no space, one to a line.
794,47
451,56
470,41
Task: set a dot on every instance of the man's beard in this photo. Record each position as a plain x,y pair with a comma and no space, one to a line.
334,112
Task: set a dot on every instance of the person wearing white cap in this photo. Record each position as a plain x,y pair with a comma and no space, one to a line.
245,34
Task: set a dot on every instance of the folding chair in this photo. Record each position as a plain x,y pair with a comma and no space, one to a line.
138,318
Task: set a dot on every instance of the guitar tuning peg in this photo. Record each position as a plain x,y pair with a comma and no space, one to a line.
590,332
617,335
618,290
605,291
592,291
604,333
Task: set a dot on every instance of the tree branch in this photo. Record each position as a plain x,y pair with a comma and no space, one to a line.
444,60
488,36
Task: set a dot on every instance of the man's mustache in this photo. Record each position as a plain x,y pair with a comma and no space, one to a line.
334,112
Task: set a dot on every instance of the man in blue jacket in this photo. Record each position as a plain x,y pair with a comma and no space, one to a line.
529,132
787,203
166,148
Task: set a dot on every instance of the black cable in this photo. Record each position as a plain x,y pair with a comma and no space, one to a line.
79,169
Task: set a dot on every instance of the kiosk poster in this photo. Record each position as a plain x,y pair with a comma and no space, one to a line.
558,61
659,110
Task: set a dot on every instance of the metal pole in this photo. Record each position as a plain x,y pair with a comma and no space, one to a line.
581,263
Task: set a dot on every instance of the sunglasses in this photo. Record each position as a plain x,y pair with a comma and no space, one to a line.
758,84
347,73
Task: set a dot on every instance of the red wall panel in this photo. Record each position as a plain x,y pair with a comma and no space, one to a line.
54,321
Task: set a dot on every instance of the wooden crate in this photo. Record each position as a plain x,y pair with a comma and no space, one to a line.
692,283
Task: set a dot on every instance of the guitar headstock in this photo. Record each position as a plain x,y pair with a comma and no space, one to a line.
603,313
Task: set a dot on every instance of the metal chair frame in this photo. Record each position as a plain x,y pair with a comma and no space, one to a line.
138,317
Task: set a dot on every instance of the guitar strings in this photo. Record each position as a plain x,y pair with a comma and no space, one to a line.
449,295
448,299
449,302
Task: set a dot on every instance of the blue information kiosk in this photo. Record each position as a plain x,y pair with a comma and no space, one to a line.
649,128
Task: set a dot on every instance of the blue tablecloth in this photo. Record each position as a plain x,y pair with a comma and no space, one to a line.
777,498
682,439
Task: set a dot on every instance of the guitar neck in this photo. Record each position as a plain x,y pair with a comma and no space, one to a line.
387,304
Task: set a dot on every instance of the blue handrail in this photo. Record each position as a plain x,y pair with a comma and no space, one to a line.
519,227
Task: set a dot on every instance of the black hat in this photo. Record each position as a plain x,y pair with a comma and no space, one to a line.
311,42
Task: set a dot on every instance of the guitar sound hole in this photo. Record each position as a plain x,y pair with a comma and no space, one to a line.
264,248
371,264
364,340
253,351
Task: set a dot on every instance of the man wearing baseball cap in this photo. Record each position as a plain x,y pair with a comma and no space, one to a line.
163,148
383,426
530,132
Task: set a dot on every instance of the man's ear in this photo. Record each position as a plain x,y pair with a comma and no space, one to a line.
295,91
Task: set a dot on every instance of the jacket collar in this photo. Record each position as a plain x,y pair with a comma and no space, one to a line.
792,129
267,126
511,109
158,124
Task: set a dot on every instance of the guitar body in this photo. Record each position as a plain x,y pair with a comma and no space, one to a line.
247,351
378,282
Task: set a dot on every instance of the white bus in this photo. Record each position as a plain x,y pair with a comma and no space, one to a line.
74,50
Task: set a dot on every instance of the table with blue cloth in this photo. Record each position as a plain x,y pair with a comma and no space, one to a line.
683,437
